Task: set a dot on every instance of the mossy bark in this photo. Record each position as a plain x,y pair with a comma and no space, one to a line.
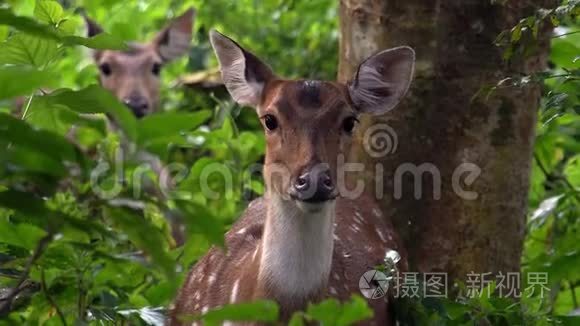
441,122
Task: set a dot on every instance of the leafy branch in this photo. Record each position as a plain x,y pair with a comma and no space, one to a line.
50,299
40,247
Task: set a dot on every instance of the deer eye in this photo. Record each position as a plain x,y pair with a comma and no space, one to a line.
156,69
270,122
105,68
348,124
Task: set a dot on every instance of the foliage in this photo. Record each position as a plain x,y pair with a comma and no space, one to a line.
86,228
86,233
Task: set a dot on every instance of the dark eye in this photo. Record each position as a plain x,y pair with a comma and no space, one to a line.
105,69
348,124
156,69
270,122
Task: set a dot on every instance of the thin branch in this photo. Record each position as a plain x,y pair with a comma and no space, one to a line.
5,306
574,298
49,298
27,106
541,166
558,177
565,34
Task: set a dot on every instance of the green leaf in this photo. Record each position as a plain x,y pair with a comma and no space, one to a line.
516,34
48,11
144,235
564,50
572,171
23,202
50,144
567,320
202,221
354,311
326,312
21,80
168,124
263,311
42,115
20,159
102,41
95,99
297,319
21,235
27,25
331,312
23,49
3,32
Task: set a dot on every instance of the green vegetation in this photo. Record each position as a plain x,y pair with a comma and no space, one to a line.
85,238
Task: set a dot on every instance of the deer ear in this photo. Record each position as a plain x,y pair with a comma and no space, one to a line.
92,27
242,72
382,80
174,40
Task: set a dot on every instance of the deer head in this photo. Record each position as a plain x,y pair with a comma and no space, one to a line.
309,123
133,75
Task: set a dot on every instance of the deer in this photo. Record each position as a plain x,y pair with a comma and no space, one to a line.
133,76
303,241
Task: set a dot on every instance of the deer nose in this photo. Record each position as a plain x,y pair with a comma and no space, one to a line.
314,186
137,104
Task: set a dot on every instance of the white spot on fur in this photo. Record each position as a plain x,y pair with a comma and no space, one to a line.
333,291
234,294
211,279
242,260
241,231
255,253
376,212
381,235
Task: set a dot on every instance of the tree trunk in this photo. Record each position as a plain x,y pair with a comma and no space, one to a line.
443,125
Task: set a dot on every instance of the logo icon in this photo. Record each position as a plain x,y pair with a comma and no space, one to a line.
380,140
373,284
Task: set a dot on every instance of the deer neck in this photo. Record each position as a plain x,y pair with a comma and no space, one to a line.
297,249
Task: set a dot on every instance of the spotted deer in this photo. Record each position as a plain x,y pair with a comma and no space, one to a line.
302,241
133,75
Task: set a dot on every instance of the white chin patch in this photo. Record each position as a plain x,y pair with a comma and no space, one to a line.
312,207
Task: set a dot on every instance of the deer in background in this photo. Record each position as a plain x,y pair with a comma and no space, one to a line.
133,75
302,241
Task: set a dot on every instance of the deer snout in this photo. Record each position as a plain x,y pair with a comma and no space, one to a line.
138,104
314,186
